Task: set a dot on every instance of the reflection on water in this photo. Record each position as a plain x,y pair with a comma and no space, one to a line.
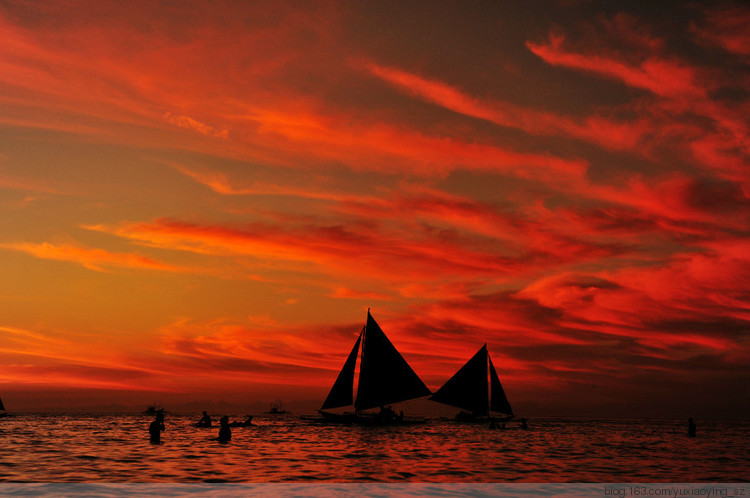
116,448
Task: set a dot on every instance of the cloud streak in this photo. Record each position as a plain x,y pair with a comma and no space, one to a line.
596,129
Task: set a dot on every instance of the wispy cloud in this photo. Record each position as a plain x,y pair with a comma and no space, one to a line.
726,27
91,258
663,77
192,124
597,129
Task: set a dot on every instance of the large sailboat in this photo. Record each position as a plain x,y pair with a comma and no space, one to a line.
470,390
384,378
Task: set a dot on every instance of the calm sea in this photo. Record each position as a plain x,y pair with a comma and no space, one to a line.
116,448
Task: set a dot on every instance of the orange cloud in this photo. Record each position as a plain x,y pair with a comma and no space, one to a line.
345,293
320,248
192,124
93,259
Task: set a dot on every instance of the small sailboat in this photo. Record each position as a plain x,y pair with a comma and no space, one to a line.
384,378
3,413
469,390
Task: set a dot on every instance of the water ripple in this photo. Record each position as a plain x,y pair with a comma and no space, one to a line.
116,448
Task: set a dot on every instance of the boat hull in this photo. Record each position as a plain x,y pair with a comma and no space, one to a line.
481,419
365,419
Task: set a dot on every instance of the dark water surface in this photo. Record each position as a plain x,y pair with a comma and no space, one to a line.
116,448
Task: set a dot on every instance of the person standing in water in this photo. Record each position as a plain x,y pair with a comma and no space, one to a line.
691,427
156,427
205,420
225,432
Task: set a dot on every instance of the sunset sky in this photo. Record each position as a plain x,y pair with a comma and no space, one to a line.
200,200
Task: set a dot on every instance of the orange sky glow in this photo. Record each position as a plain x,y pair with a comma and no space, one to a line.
201,200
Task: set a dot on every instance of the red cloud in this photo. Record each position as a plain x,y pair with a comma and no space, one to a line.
89,72
666,78
686,94
599,130
726,27
348,251
382,147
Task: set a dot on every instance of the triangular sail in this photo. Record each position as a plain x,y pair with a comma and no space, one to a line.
467,389
1,405
498,401
384,375
341,392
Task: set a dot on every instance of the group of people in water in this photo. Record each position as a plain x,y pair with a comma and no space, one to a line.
225,431
386,415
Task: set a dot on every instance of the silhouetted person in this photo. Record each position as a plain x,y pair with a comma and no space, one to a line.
247,423
205,421
156,427
225,432
523,424
691,427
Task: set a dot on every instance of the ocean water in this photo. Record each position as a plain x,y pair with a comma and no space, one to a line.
116,448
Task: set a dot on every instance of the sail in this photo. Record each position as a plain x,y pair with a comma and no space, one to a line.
498,401
384,375
341,392
1,405
467,389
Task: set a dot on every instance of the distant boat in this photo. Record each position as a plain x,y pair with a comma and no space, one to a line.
276,409
3,413
384,378
468,390
153,410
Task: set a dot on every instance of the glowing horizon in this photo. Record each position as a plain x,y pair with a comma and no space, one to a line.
206,198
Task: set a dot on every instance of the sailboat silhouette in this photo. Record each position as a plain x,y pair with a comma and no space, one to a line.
384,378
468,390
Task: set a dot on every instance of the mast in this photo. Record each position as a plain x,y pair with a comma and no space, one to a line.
361,359
489,383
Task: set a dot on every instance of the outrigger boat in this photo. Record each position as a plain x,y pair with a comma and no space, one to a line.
384,378
468,390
